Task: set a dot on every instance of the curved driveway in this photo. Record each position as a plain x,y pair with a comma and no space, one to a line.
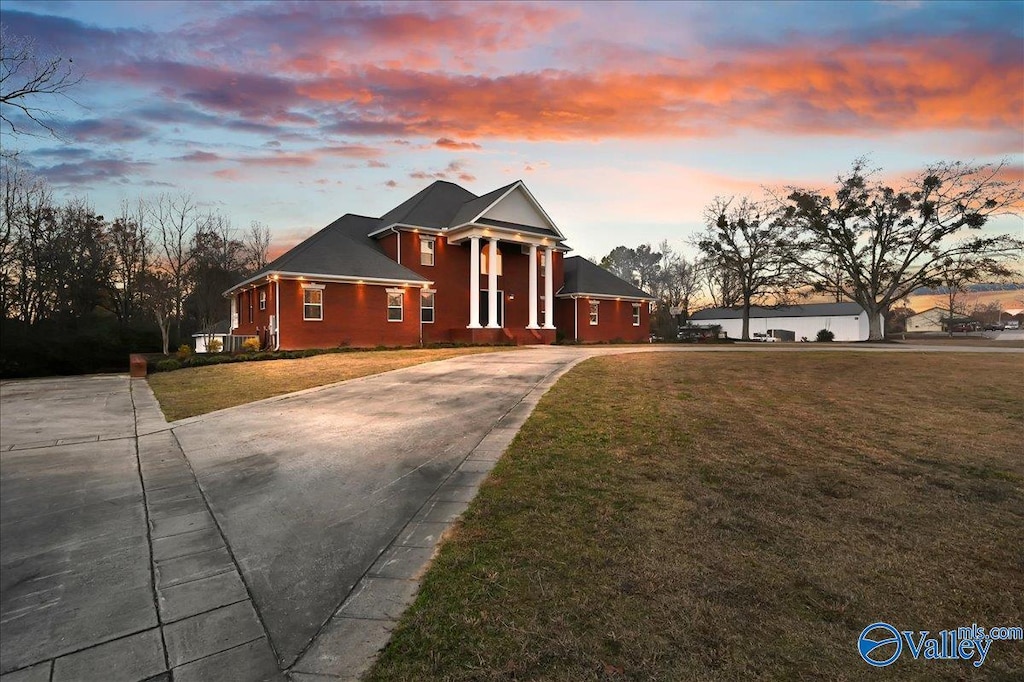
283,535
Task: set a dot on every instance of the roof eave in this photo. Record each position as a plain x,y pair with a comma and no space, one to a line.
316,276
605,297
406,226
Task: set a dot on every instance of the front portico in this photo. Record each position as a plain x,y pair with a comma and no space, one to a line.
508,226
477,243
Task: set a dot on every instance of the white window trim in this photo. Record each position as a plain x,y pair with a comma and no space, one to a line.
636,314
401,308
433,250
263,299
313,287
432,308
594,313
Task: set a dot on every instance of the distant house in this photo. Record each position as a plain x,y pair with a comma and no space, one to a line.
847,321
445,265
934,319
218,331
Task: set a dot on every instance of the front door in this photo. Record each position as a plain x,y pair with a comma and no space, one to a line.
485,309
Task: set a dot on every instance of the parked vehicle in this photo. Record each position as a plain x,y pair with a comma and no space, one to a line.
1012,324
994,327
764,338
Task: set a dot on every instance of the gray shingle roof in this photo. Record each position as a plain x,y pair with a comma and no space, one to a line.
584,277
434,206
807,310
342,249
472,208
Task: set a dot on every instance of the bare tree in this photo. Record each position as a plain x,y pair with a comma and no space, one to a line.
158,296
26,76
679,280
959,272
889,241
219,260
257,246
132,252
27,210
741,239
176,220
721,284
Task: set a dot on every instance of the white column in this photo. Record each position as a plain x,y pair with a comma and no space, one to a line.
492,283
549,290
533,288
474,282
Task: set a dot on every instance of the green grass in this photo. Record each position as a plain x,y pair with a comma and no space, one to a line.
198,390
726,516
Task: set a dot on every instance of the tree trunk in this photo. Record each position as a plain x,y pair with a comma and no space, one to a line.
745,335
876,331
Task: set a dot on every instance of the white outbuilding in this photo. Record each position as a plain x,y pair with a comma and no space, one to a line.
847,321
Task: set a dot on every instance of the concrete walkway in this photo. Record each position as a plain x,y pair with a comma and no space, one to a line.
284,537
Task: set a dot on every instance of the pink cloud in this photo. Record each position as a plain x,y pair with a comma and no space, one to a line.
448,143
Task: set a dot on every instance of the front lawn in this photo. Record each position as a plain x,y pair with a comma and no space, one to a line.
733,516
198,390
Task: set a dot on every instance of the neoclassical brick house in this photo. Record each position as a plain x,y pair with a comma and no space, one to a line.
445,265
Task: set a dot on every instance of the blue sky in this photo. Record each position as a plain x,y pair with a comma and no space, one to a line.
624,119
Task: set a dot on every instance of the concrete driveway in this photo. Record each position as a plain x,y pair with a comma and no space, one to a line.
284,537
222,546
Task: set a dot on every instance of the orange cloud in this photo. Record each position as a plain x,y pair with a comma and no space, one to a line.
934,83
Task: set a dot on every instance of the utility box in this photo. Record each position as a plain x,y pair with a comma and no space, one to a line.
137,365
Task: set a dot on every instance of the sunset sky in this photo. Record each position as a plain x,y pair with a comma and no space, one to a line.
623,119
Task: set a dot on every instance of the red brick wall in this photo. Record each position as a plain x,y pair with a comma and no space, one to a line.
354,315
614,321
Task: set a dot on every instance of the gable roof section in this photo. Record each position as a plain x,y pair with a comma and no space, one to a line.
583,277
342,249
473,208
434,206
443,205
808,310
476,211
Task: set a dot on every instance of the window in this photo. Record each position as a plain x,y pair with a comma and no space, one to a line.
313,302
593,311
636,314
485,265
426,250
395,298
427,306
543,262
263,300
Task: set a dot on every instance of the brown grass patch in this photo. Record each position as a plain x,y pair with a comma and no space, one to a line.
725,516
198,390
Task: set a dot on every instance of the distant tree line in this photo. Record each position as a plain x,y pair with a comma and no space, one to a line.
80,291
865,240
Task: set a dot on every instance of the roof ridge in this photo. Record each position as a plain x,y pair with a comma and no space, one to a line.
426,191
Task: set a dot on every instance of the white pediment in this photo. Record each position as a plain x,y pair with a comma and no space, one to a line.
517,207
